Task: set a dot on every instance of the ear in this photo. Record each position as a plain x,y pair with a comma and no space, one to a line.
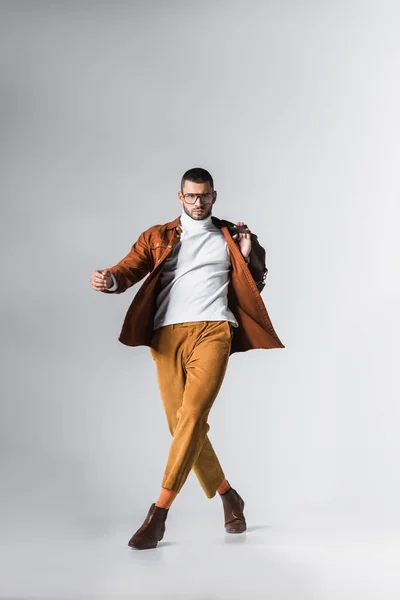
180,197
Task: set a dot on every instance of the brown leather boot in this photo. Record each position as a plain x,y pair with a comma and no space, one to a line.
152,531
233,511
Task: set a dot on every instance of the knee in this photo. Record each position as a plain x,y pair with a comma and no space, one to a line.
196,414
192,416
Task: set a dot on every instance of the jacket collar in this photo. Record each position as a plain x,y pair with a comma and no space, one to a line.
174,223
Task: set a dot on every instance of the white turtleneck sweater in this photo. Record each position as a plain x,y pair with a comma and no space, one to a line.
194,279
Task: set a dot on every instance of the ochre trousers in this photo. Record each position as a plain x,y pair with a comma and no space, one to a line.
191,360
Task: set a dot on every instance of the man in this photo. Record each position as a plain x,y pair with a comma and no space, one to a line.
200,304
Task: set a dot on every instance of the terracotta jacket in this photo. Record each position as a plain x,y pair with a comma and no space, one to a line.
247,281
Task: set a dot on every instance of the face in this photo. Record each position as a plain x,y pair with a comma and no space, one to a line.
201,208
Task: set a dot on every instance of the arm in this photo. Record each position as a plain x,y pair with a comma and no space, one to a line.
132,268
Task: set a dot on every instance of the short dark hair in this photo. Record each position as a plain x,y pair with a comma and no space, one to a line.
197,175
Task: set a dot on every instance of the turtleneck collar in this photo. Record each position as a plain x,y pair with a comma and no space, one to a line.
193,224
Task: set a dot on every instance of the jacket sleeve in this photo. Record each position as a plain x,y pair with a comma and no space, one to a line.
257,263
133,267
114,285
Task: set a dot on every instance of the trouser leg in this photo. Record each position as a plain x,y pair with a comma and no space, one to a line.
191,361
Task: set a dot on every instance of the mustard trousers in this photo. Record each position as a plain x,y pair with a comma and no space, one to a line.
191,360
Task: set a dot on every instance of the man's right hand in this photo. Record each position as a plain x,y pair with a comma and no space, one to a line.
101,280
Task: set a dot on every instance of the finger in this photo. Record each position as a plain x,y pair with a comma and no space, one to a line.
98,283
97,280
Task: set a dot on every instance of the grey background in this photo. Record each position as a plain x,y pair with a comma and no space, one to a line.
293,108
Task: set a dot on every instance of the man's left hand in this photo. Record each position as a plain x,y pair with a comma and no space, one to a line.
243,240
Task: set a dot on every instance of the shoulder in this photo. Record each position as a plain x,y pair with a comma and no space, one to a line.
159,231
222,222
230,225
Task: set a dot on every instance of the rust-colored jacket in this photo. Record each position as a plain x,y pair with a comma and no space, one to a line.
147,256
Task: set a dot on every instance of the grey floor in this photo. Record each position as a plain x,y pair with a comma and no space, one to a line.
318,557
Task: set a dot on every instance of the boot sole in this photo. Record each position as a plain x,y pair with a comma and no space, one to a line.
147,547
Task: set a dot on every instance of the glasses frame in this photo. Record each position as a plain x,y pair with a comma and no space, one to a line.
201,196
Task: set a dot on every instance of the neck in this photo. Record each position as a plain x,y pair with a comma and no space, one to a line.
195,224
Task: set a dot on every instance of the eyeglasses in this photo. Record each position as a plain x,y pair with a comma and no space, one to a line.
191,198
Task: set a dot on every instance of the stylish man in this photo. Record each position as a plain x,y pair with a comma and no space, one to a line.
200,304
